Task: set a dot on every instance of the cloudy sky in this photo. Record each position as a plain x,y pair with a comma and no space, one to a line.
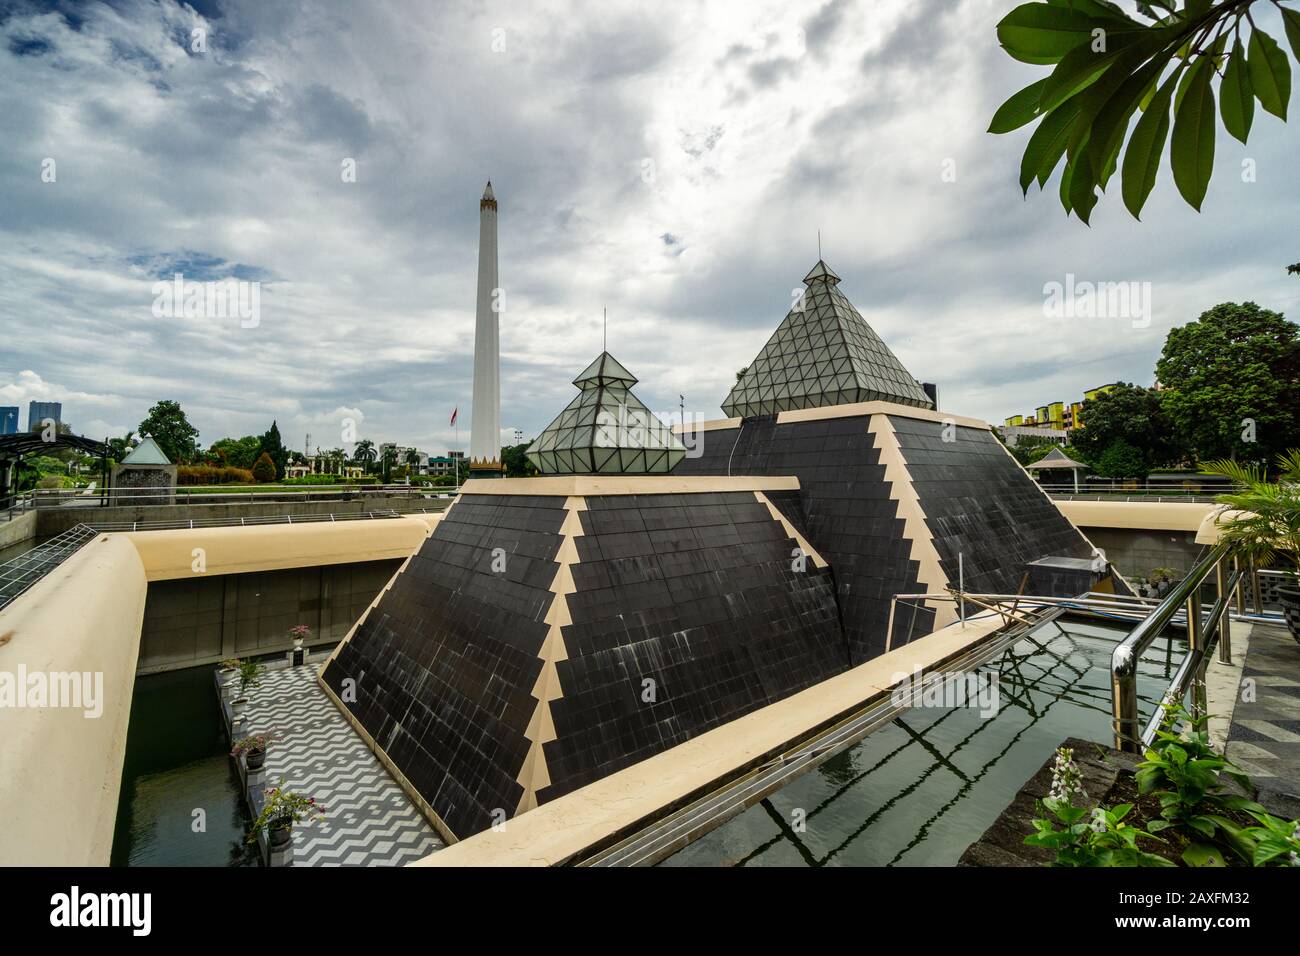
670,162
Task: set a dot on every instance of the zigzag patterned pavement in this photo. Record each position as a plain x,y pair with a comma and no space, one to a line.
369,819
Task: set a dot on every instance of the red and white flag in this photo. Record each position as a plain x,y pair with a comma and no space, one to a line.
454,412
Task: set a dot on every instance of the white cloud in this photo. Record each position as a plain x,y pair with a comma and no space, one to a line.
739,129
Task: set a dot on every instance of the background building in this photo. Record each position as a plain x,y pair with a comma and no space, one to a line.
1057,415
8,419
37,412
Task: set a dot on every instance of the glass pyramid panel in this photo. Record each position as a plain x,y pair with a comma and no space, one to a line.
823,353
606,429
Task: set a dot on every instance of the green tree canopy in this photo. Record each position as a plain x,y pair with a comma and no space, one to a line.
1122,460
167,425
516,462
237,452
1130,414
264,468
1232,383
1109,67
270,444
364,452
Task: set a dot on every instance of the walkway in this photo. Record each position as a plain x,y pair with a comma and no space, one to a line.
369,820
1264,739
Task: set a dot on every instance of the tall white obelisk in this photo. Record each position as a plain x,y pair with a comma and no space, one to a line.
485,431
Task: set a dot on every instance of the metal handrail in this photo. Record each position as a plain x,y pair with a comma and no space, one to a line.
1202,635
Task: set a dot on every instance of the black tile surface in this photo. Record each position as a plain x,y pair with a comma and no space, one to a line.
697,593
445,663
847,514
979,503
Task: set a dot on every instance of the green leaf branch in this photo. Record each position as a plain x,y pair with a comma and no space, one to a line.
1108,67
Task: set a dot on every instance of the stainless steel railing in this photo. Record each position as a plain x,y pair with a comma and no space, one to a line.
1205,633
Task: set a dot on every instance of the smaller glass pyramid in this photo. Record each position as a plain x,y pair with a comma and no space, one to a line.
606,430
823,353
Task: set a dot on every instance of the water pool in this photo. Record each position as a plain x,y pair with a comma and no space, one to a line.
177,762
919,790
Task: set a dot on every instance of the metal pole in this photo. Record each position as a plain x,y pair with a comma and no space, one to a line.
961,588
1195,644
1124,711
1225,625
1256,596
1240,589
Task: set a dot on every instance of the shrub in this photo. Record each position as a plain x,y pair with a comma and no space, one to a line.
264,468
212,475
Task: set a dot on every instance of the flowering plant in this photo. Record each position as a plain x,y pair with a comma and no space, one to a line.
300,632
1096,838
284,808
253,742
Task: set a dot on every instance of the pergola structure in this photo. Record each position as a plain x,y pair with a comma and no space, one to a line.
13,448
1058,460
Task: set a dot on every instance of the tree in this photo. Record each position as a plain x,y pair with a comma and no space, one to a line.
1131,415
1108,66
119,448
270,444
364,452
516,462
237,452
1122,460
412,457
264,468
1232,383
167,425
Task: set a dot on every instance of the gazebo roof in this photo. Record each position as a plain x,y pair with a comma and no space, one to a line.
146,453
1057,459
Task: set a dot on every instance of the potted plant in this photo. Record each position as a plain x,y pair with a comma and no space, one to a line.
299,634
250,675
284,808
227,672
1261,521
253,749
238,706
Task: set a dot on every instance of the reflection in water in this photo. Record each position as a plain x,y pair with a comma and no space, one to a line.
919,790
177,763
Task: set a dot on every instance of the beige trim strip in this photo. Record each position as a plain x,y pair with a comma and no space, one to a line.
593,486
567,826
930,576
804,546
534,774
877,408
712,425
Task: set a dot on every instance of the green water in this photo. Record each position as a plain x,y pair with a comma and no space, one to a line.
921,789
177,763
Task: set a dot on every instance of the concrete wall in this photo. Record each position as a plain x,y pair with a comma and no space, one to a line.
17,532
61,770
1137,552
204,619
52,521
